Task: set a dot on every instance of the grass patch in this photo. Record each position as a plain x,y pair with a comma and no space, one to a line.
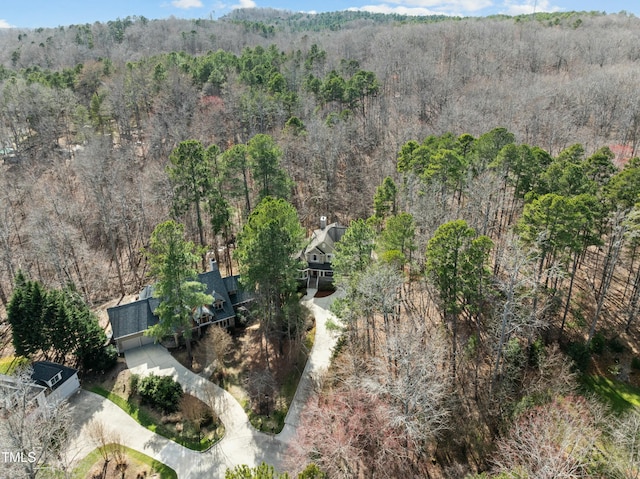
309,339
145,419
82,469
620,396
9,364
272,423
332,326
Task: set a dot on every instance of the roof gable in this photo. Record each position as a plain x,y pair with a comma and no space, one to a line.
216,287
324,240
45,371
133,317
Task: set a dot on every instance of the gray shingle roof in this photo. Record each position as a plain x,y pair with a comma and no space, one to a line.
138,316
324,240
133,317
43,371
214,284
237,294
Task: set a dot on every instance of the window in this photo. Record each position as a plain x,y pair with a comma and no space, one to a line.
55,379
314,258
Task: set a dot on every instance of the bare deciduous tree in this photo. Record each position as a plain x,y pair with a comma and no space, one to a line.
625,456
217,343
517,284
350,433
195,411
554,440
261,385
412,380
101,438
31,435
119,456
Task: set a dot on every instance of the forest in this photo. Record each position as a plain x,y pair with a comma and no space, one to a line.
486,167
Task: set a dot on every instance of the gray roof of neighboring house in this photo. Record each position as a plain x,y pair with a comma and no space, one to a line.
43,371
138,316
324,239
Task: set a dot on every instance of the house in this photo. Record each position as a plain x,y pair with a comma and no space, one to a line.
319,252
130,321
12,393
59,381
52,383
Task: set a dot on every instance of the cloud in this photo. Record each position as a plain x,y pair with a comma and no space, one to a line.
245,4
384,8
5,24
186,4
529,6
427,7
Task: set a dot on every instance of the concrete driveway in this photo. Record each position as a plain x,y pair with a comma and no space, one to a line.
242,444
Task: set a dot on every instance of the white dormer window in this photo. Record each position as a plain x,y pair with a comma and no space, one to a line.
55,379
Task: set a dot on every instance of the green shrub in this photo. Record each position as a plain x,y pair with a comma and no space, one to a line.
160,391
105,359
596,346
536,352
615,345
514,358
580,353
527,402
312,471
578,317
134,379
340,345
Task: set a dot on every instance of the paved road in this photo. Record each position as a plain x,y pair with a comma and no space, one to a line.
242,443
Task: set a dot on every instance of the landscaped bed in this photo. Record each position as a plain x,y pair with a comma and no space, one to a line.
194,424
137,465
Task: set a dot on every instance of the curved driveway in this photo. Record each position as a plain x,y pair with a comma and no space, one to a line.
242,444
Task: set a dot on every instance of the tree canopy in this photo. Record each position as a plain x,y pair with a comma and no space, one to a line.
57,324
266,253
171,260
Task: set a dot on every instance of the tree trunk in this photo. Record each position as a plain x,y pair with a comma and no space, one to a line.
574,268
608,270
634,302
200,231
246,193
454,343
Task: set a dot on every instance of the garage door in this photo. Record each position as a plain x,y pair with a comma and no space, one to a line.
136,342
